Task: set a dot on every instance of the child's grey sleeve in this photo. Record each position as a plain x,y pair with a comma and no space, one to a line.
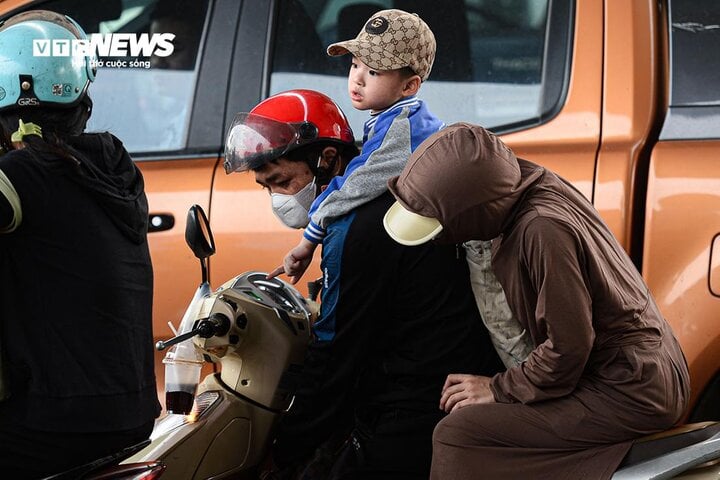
369,181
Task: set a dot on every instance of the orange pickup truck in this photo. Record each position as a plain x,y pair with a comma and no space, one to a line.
620,97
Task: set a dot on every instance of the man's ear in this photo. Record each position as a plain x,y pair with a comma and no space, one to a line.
328,156
412,85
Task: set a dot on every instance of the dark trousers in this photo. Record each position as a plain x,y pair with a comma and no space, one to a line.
31,454
391,446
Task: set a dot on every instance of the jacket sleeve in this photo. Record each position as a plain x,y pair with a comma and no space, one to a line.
383,156
353,302
552,256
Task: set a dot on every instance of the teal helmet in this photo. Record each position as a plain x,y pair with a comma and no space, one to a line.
37,65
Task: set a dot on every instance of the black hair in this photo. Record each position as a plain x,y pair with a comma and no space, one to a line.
407,72
312,152
57,124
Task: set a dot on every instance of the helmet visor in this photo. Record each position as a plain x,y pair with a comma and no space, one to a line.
254,140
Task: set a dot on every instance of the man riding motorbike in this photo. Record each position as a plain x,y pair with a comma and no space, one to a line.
394,320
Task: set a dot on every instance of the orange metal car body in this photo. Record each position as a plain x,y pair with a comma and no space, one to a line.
660,197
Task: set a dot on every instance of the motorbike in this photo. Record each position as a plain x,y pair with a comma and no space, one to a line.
257,331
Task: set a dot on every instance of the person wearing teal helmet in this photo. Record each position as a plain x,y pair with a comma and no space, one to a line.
38,62
75,272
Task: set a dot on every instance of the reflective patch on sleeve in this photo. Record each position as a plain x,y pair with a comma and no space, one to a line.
9,192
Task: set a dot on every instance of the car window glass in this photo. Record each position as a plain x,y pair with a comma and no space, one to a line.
144,97
695,58
488,67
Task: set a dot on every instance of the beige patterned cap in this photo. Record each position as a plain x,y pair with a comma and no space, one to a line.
392,39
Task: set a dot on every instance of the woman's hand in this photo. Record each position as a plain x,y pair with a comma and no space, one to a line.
463,390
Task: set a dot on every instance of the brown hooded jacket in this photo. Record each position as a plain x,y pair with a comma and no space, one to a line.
601,341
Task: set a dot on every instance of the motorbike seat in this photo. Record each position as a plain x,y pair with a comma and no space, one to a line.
655,445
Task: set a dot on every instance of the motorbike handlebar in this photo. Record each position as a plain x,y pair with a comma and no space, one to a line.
215,325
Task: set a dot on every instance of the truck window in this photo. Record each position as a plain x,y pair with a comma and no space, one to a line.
144,99
491,66
695,59
695,70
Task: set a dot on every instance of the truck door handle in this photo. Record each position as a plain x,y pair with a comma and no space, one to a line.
160,222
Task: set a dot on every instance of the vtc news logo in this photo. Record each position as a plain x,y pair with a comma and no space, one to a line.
107,45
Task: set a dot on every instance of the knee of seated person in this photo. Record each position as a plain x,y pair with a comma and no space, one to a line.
450,430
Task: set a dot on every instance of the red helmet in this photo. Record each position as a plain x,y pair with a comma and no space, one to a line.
281,123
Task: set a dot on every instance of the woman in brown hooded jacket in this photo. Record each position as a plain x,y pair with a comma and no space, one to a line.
606,367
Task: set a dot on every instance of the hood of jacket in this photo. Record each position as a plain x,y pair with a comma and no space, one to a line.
466,178
106,170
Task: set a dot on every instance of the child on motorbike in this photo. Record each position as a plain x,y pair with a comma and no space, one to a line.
76,280
391,57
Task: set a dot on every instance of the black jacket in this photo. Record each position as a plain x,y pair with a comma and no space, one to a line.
395,321
76,289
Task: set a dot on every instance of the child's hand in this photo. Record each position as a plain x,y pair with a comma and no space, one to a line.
296,261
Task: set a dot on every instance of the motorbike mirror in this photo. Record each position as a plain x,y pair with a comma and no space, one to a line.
198,234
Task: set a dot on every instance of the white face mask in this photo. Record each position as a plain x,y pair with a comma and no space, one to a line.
293,210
